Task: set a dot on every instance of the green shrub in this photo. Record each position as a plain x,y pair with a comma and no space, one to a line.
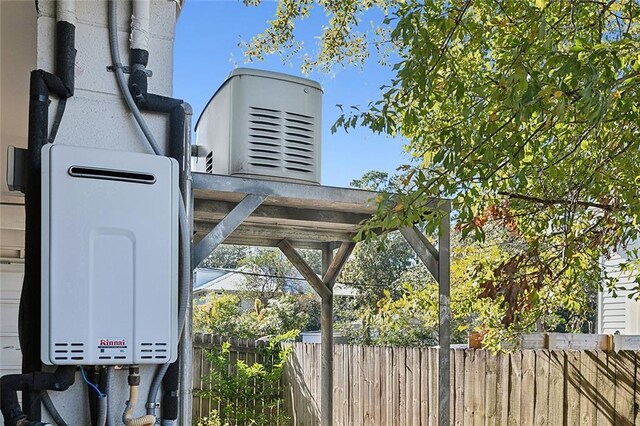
248,394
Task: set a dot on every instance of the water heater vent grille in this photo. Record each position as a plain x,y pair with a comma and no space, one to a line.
64,351
157,350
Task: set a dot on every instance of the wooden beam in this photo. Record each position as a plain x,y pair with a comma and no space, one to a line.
331,275
304,269
225,227
215,210
280,232
423,248
303,194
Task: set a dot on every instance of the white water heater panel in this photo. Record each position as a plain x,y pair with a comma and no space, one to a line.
109,257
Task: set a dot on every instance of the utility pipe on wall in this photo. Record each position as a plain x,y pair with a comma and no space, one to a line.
138,99
66,11
140,24
42,85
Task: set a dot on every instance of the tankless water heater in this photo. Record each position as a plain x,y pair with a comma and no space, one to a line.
109,257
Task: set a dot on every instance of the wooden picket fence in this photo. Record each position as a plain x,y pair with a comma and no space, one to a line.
398,386
240,350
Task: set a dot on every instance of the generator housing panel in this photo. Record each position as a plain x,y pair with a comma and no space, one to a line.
109,257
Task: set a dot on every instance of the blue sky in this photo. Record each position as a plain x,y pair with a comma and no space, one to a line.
206,51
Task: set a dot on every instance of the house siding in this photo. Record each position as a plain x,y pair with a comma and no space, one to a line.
618,314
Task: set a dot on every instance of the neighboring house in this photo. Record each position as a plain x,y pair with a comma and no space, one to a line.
619,315
314,337
226,281
219,281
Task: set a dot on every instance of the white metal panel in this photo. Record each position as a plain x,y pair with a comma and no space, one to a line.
109,271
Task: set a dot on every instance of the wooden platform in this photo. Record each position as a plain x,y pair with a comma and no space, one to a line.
307,215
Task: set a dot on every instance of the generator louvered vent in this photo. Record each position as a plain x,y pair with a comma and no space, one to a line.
298,146
281,140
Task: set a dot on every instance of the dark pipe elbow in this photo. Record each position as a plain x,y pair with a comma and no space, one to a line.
61,380
157,103
139,59
9,387
170,384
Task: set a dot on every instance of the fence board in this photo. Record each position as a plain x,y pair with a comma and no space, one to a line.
636,404
515,388
469,365
377,387
542,388
491,390
424,387
503,379
605,384
588,391
433,367
417,397
624,387
388,402
479,387
406,386
458,368
527,395
573,388
556,385
371,389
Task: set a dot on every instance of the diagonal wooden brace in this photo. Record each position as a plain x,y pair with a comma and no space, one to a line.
314,281
226,226
427,253
338,263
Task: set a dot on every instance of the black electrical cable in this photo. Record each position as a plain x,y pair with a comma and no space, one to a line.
48,404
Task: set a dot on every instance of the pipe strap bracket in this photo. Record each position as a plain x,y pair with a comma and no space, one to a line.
128,70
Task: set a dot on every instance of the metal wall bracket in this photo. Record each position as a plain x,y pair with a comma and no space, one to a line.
16,168
127,70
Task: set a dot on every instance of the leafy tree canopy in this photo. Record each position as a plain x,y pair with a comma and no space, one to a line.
522,112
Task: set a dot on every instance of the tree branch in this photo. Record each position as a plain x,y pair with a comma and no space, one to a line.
557,201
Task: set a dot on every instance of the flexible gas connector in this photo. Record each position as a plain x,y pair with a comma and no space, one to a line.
127,416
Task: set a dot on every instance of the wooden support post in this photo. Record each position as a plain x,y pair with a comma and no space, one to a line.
437,262
326,348
331,268
444,331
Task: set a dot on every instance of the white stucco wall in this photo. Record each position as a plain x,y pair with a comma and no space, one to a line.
17,59
96,117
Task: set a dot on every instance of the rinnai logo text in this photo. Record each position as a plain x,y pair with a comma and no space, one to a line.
112,343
